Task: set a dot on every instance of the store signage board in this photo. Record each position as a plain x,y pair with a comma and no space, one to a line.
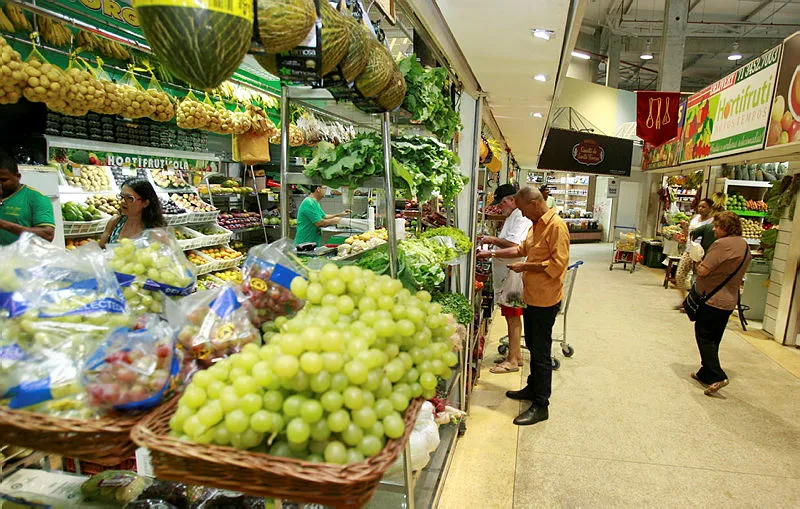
129,161
613,188
586,153
730,116
669,153
784,124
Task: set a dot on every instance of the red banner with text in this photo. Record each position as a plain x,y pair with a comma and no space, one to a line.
657,116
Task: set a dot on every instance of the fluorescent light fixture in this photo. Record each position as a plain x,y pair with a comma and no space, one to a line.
646,56
540,77
542,33
581,55
735,55
536,114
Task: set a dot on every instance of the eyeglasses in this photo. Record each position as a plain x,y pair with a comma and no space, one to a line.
128,198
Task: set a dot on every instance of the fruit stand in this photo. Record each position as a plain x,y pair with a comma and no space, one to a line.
226,319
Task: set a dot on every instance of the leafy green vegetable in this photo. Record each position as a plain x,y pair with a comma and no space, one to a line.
463,244
420,165
457,305
428,99
422,266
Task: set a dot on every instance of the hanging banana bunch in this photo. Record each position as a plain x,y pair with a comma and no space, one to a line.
88,40
17,17
5,24
54,32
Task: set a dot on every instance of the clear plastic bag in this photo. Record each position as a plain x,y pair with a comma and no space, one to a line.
511,294
268,273
65,305
696,251
213,324
115,486
150,267
133,369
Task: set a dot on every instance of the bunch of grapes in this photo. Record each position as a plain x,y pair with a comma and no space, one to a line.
333,383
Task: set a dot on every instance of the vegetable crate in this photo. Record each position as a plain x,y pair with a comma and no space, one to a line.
220,235
176,219
203,217
263,475
193,243
74,228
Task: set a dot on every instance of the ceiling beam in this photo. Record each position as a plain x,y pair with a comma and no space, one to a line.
694,5
702,45
752,14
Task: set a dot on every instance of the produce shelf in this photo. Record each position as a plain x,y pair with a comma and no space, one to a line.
749,213
748,183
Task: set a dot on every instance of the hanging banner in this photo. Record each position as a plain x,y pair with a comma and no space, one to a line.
582,152
669,153
784,124
657,116
730,116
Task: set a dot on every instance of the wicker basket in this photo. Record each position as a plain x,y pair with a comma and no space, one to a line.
264,475
105,440
74,228
176,219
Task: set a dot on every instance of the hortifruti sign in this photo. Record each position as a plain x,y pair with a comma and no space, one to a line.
731,115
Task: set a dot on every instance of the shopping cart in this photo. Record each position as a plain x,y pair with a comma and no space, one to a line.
626,247
559,337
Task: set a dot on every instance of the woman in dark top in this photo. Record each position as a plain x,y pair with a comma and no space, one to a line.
139,210
728,254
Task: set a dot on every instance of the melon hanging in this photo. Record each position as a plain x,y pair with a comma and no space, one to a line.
283,24
335,37
378,73
203,44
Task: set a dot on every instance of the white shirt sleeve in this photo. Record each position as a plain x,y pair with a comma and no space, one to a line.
516,227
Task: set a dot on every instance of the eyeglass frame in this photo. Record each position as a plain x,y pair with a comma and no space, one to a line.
128,198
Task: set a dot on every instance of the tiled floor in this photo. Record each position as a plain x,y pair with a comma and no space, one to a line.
628,427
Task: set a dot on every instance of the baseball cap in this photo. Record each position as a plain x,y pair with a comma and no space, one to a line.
502,192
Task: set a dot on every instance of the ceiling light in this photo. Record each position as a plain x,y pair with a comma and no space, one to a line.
581,55
536,114
540,77
542,33
647,54
735,55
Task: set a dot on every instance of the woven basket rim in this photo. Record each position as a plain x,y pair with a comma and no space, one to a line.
33,421
144,435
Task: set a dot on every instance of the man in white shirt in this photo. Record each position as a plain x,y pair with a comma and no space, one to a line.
515,229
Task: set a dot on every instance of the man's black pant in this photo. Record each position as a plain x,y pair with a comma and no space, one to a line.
538,338
708,331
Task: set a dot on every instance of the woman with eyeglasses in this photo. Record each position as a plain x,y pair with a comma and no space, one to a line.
139,210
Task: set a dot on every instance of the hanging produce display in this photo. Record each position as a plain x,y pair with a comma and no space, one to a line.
283,24
428,100
202,42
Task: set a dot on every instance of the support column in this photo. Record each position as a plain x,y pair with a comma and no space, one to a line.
673,40
612,63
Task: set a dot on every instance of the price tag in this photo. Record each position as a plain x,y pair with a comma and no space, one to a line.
144,465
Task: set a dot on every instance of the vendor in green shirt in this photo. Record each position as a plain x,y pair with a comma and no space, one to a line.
551,202
22,208
311,217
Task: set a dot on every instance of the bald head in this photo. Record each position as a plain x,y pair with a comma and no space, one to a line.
531,203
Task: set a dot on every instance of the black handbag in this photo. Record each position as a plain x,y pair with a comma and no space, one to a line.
695,300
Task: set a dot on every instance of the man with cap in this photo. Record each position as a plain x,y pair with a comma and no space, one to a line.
515,229
551,202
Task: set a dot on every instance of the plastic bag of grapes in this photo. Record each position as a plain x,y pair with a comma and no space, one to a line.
64,306
267,273
133,369
151,267
213,324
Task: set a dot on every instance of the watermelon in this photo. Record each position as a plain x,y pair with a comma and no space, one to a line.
392,96
283,24
378,72
202,44
357,55
335,37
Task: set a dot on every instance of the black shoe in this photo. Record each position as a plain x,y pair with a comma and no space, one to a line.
522,394
532,416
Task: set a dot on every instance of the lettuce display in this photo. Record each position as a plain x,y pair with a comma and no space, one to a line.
462,243
428,100
456,305
421,166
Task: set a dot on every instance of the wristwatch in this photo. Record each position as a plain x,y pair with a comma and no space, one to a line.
494,253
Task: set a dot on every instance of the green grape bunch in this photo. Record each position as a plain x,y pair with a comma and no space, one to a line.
330,384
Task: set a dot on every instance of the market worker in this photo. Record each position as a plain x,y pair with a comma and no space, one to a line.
22,208
514,230
139,210
546,252
551,202
311,217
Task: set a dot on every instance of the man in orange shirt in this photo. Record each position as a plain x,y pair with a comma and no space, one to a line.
546,252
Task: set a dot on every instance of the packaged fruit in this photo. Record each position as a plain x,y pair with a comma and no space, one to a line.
150,267
63,307
133,369
213,324
267,277
115,486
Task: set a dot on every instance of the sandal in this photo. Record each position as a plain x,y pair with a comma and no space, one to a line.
715,387
501,360
694,375
504,367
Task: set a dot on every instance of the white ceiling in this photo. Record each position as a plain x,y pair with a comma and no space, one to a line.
504,56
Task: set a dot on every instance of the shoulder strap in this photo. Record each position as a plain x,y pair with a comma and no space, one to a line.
727,279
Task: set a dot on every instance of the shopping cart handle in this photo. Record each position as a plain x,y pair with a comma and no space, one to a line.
576,264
